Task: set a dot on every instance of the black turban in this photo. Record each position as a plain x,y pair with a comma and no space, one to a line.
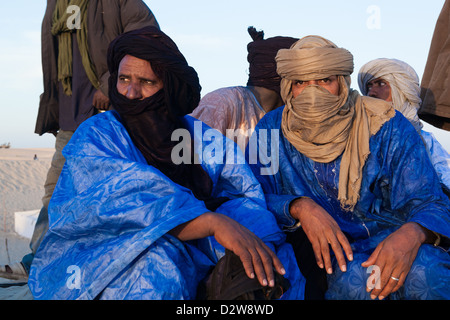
261,56
181,83
151,121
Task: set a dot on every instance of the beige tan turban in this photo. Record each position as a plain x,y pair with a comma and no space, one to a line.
308,63
404,83
323,126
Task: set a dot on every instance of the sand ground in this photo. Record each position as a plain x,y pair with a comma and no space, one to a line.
22,177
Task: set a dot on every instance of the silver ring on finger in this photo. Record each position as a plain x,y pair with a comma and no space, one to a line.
394,278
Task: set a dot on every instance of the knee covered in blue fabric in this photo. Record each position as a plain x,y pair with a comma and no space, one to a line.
352,284
429,276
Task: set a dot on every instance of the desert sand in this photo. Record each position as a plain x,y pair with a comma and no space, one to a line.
22,180
22,177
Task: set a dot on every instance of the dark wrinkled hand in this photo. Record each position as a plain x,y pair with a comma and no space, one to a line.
394,257
258,259
100,101
323,232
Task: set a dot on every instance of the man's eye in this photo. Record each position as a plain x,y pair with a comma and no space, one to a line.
298,82
149,82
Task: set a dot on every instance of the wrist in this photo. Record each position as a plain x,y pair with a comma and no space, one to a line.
298,206
213,221
208,221
424,235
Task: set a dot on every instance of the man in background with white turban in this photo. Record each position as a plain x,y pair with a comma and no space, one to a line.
355,176
396,81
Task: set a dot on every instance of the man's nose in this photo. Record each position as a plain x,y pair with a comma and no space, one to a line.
372,92
134,91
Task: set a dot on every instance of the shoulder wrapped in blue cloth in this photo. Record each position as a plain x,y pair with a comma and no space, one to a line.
110,214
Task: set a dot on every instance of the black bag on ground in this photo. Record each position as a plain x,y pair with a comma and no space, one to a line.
228,281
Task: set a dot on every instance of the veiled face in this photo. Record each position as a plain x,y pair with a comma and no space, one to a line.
136,79
331,84
379,88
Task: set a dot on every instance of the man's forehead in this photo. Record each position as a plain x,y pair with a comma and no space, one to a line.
135,65
377,80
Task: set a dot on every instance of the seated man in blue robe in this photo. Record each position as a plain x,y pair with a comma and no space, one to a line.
354,175
127,221
396,81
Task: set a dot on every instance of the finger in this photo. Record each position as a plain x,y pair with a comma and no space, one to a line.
372,259
345,245
268,266
325,252
386,270
339,254
400,283
259,268
393,282
246,260
317,253
277,264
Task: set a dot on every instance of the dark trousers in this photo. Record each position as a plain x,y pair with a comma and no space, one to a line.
316,278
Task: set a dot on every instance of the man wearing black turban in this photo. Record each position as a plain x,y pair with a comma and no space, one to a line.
151,120
124,214
235,111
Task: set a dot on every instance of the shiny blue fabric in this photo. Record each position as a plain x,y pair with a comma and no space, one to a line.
440,158
399,185
110,214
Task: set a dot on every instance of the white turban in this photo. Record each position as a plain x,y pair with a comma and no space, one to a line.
404,83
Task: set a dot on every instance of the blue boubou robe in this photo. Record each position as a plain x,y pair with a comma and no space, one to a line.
110,214
399,185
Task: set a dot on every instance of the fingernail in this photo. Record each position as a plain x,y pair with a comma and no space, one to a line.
252,276
381,297
329,271
343,268
372,296
283,271
272,283
264,282
350,257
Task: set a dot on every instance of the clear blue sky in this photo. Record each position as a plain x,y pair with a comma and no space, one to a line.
213,36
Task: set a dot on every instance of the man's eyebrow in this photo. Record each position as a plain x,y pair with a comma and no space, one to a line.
147,79
139,78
